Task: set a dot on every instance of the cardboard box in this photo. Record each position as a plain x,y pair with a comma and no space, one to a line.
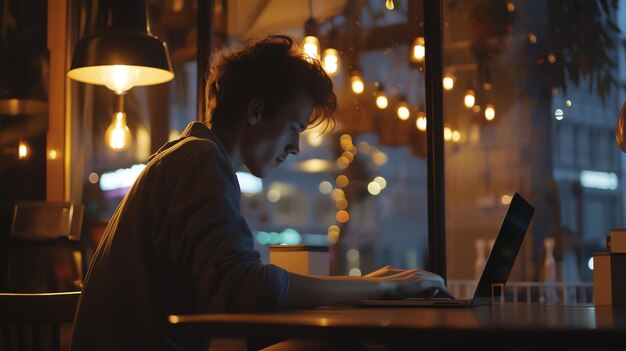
602,279
617,240
609,279
301,259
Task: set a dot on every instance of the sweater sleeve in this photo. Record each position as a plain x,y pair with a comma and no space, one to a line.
205,237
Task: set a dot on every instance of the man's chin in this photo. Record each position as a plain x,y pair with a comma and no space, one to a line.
259,173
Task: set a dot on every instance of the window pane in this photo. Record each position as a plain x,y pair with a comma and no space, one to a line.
537,91
361,188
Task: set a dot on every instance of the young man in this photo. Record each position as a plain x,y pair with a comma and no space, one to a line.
177,242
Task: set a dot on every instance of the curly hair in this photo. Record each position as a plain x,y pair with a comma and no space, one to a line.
272,69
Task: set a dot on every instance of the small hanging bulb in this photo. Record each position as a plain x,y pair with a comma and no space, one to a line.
490,112
448,81
381,98
456,136
389,5
357,82
470,99
118,136
311,46
421,121
330,61
403,111
418,51
23,150
447,133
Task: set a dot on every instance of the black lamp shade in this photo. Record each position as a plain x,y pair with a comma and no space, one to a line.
122,55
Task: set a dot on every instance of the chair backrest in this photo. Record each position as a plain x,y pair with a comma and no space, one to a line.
37,321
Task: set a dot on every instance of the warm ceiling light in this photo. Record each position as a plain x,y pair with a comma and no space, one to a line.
470,99
447,133
448,81
418,51
330,62
490,112
403,111
310,43
122,53
456,136
311,46
23,150
357,82
118,136
421,121
381,99
389,4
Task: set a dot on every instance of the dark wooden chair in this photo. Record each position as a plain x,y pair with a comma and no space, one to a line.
37,321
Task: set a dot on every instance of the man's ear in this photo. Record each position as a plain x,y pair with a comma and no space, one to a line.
255,111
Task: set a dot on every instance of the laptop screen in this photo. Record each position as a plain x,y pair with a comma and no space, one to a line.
506,247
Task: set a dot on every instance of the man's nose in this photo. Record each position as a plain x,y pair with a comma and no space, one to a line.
294,147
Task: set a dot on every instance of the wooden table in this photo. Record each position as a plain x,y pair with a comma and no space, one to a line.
499,326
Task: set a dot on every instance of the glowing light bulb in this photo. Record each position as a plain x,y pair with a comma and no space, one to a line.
23,150
419,50
448,81
53,154
381,181
510,6
470,99
421,121
311,46
381,101
389,5
447,133
456,136
490,112
118,136
558,114
403,111
357,83
120,78
373,188
330,62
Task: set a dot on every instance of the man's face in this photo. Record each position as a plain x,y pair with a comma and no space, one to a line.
269,141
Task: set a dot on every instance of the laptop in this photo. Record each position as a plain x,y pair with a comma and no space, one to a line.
496,270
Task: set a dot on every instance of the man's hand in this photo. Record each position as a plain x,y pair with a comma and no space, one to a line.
410,282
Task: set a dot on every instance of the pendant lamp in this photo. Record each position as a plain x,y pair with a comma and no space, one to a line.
122,52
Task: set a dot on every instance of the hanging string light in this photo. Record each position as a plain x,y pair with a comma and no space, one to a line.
311,43
456,136
330,61
447,133
23,150
448,81
402,110
389,4
490,112
470,98
420,122
381,98
357,82
118,136
418,50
